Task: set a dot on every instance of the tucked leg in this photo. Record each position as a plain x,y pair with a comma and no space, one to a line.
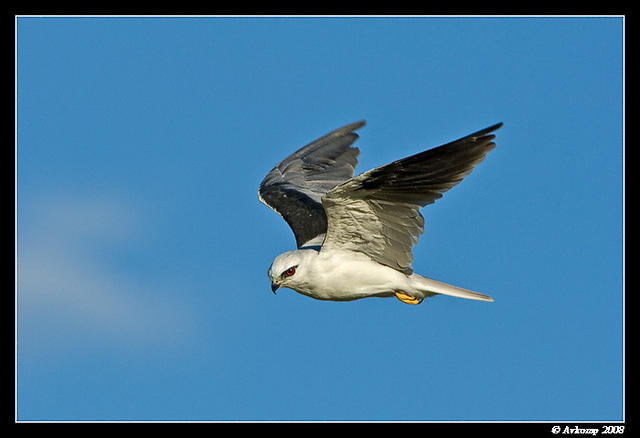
408,298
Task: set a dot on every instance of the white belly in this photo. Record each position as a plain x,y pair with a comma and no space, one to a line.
350,275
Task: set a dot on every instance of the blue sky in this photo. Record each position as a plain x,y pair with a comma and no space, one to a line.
142,249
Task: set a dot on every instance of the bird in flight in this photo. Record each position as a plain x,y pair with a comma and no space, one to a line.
355,234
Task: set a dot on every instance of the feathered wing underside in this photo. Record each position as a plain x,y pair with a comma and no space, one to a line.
377,212
295,186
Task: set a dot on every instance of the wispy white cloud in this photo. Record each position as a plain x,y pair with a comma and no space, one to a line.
67,295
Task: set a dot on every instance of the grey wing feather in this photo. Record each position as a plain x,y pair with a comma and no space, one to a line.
377,212
295,186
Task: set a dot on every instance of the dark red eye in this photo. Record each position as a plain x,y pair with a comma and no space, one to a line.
289,272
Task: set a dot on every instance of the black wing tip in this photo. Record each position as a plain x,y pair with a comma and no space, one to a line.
346,131
486,131
483,137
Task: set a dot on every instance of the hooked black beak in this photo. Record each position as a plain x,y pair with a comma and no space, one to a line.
274,287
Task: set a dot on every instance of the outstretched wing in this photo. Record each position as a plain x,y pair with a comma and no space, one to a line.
294,187
377,212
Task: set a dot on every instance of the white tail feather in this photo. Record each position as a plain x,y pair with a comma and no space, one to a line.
428,285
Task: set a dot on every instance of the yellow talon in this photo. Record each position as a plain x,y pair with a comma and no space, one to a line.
408,298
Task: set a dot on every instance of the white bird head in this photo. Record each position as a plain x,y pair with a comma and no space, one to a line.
287,270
